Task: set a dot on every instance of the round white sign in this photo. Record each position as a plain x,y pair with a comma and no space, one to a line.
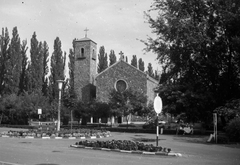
158,104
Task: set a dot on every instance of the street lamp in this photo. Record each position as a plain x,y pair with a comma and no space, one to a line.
60,83
158,109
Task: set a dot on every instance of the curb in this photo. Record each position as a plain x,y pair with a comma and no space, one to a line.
47,137
130,152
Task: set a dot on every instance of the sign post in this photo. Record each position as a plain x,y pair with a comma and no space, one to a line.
158,109
39,113
215,126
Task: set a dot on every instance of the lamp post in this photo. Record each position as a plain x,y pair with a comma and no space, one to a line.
71,121
158,109
60,83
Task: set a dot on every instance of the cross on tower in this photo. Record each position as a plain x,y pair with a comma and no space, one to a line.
86,30
121,55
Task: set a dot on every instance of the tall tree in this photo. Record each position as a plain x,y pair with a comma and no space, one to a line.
106,61
57,68
71,57
150,70
23,76
14,63
156,75
4,57
196,43
102,60
141,64
36,64
127,102
112,57
134,61
69,96
45,54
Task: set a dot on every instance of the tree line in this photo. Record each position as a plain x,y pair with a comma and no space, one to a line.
26,81
138,63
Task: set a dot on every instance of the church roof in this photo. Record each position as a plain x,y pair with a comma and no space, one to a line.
122,60
84,39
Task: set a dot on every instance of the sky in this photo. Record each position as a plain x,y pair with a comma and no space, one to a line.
115,24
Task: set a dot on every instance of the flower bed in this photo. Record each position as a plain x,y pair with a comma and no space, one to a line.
77,133
126,145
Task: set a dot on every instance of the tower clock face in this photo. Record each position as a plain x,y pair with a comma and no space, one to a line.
121,85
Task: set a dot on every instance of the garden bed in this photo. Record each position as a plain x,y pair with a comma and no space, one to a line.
125,146
74,134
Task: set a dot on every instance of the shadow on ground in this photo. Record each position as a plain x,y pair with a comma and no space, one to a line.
191,138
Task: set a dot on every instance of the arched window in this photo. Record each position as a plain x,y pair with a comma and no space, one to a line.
93,55
82,52
121,85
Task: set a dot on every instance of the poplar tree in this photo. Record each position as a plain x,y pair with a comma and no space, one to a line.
4,57
36,64
71,62
150,70
14,63
112,57
141,64
134,61
45,54
156,75
105,61
102,60
57,68
23,78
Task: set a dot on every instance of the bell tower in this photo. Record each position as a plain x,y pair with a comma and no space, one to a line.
85,68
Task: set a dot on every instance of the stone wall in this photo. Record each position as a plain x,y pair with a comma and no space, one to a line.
105,81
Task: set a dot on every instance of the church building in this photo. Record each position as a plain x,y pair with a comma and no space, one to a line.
120,76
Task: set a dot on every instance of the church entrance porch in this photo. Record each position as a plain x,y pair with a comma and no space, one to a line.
108,121
114,120
119,119
133,119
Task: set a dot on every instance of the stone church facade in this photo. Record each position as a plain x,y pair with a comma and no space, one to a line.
123,73
89,85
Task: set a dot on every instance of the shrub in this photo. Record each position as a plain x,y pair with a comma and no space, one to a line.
233,130
124,145
222,139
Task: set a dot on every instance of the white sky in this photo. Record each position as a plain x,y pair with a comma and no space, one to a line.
114,24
